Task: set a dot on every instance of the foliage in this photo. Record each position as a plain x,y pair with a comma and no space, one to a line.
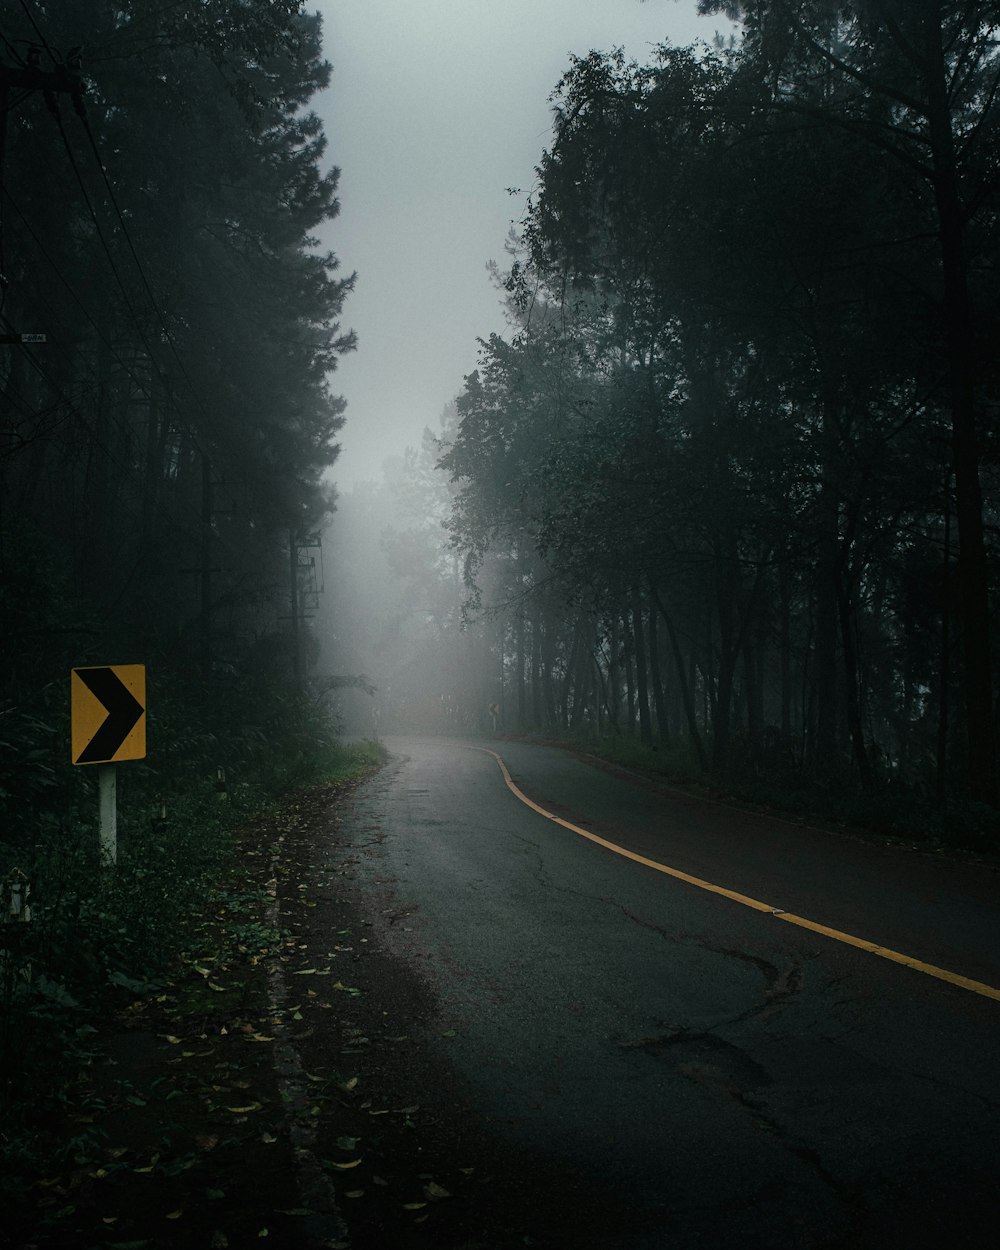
98,933
161,454
158,227
720,487
97,1085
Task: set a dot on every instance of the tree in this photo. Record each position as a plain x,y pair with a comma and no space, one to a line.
180,420
919,81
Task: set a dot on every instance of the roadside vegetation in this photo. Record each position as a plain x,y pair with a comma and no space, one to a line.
188,891
898,814
166,428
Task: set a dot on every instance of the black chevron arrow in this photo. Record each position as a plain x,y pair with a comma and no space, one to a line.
124,710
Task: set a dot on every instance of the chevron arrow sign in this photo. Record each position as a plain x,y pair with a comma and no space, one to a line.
108,704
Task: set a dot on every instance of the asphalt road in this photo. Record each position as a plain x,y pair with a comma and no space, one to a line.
732,1079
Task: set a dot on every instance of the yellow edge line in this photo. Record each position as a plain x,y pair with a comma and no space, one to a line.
884,952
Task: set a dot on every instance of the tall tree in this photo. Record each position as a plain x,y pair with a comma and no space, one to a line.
918,80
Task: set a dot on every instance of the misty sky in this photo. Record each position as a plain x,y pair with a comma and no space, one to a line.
434,109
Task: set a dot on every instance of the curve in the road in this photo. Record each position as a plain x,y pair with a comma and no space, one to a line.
884,952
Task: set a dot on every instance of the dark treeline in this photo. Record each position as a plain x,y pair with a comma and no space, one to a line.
732,483
167,328
161,186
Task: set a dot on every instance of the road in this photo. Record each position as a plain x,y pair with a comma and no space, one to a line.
733,1079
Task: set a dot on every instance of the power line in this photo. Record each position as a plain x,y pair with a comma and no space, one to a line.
38,32
126,431
81,112
80,109
54,109
12,51
76,298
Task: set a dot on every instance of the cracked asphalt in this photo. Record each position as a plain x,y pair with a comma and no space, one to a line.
715,1076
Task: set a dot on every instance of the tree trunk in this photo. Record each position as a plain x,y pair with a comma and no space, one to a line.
785,610
519,664
536,664
614,679
823,747
944,675
641,670
959,327
855,721
687,694
656,680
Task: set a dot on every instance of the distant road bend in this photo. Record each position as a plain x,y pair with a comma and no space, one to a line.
620,996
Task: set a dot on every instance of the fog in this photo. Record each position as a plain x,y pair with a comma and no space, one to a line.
433,112
437,115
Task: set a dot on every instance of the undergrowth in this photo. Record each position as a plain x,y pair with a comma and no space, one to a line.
100,934
899,811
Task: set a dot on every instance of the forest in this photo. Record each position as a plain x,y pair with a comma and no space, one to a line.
173,428
722,503
730,485
169,328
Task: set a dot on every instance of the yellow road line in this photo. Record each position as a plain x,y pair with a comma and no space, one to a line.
884,952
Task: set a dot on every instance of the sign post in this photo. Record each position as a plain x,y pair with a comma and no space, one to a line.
108,704
107,777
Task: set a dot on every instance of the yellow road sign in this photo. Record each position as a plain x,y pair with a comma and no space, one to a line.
108,704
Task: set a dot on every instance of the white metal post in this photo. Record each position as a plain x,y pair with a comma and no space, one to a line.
107,775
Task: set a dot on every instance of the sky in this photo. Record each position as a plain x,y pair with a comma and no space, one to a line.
435,108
